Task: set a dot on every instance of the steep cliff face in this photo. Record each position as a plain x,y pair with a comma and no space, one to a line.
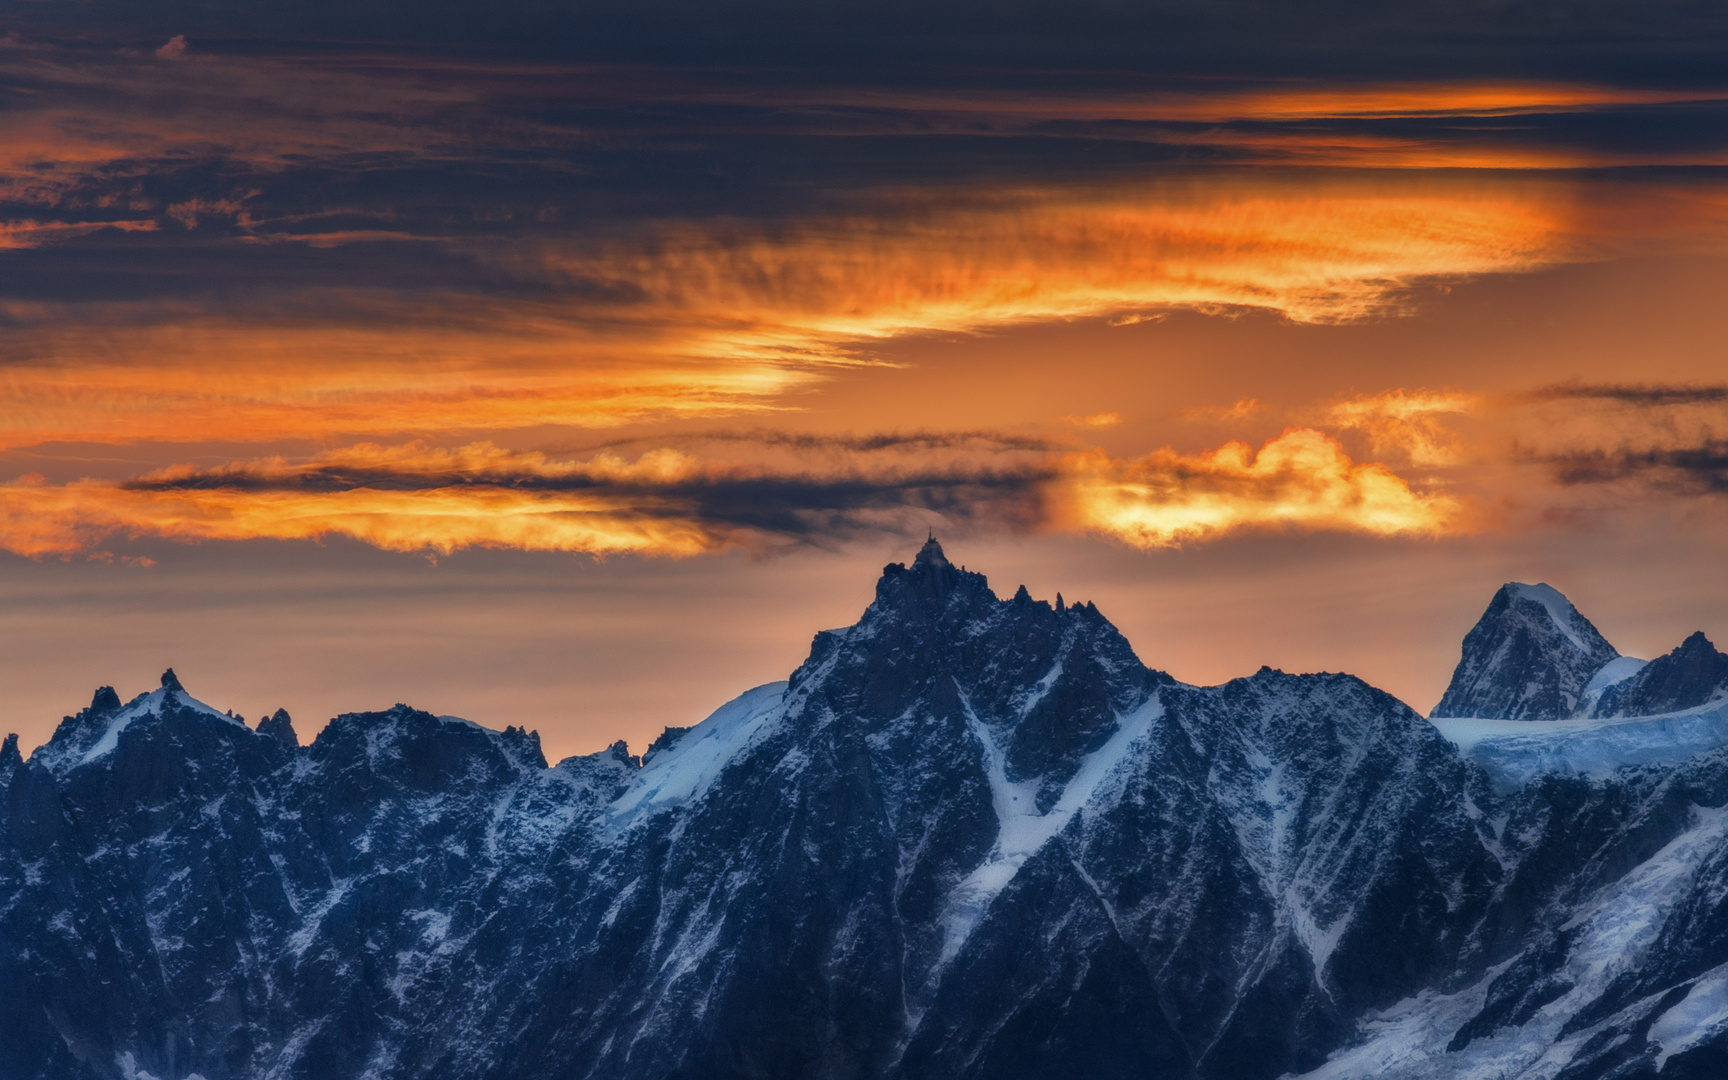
1530,657
970,837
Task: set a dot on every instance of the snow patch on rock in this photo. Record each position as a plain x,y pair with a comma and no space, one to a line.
1702,1013
683,772
144,705
1616,929
1560,610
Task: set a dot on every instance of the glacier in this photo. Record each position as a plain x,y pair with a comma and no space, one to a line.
1514,751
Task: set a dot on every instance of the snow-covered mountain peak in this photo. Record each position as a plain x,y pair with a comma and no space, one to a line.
93,733
1560,612
1529,657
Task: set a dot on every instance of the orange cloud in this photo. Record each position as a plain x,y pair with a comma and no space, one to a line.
1490,149
1241,410
449,504
1301,479
414,497
49,521
1283,102
1096,420
1315,250
30,233
1282,122
1299,102
1409,421
722,317
493,367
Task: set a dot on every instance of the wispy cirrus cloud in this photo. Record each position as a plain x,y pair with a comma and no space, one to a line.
320,294
706,318
1644,438
1660,438
990,442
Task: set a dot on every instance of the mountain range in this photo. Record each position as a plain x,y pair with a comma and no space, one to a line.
969,837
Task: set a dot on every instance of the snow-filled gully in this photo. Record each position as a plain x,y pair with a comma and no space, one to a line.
1021,829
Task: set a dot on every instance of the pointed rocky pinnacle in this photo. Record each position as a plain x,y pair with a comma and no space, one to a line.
931,554
171,681
280,727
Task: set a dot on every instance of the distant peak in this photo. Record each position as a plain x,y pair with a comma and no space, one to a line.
620,752
1693,674
1529,657
1561,613
929,582
279,726
9,754
1697,642
171,681
930,554
1539,590
105,701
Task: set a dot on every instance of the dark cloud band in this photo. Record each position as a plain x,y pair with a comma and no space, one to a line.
809,508
1637,395
998,441
1700,469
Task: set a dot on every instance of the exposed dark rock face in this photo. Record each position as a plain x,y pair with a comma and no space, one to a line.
969,838
1691,675
1529,658
279,726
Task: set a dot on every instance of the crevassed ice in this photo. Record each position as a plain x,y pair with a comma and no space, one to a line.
1514,751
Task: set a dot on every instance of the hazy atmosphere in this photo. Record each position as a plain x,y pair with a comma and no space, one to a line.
572,370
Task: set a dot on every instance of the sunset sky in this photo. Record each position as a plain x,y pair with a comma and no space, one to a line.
571,369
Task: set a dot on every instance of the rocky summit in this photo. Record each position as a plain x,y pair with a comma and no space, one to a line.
969,837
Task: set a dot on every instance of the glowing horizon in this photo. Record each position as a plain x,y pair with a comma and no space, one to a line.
328,299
